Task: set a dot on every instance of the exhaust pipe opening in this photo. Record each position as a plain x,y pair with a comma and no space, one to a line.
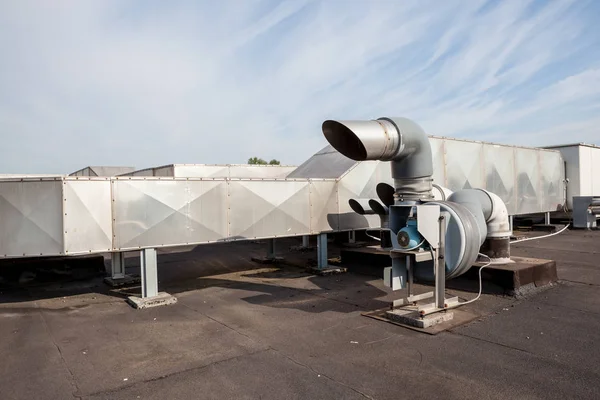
361,206
344,140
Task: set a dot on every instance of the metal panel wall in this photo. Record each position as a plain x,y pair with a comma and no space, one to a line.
260,209
154,213
324,207
31,218
499,171
87,216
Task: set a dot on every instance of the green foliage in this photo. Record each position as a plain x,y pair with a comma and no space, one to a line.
260,161
256,161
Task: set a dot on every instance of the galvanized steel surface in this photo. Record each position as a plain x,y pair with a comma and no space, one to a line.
74,215
528,180
216,171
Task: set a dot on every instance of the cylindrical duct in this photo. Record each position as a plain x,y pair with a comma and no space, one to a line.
361,206
399,140
463,240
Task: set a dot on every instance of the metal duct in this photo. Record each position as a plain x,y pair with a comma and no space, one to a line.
398,140
378,207
463,240
361,206
492,207
385,192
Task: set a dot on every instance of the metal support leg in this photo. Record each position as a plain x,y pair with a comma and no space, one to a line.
510,221
271,249
305,241
440,268
322,251
117,265
352,237
148,264
547,218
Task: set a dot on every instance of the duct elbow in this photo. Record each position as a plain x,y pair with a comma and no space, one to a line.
386,139
498,222
495,214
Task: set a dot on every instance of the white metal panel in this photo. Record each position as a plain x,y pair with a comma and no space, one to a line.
259,171
595,171
324,209
438,152
464,165
31,218
551,180
528,181
88,216
499,167
201,171
153,213
589,170
260,209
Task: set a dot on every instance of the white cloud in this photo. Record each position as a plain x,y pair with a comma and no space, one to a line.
148,83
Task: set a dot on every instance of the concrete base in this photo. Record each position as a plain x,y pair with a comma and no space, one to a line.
267,260
161,299
410,316
127,280
303,249
329,270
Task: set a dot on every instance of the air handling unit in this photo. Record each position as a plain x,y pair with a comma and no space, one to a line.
432,240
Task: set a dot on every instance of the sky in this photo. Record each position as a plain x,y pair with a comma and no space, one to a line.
148,83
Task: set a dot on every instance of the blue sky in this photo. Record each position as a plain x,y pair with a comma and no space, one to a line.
146,83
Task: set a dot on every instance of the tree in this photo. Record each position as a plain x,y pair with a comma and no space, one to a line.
260,161
256,161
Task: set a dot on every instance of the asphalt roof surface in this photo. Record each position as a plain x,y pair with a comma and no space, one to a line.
247,331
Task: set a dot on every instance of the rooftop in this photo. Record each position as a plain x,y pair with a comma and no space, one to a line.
240,330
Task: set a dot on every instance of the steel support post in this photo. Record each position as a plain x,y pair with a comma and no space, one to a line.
510,221
148,265
440,267
271,249
352,237
305,241
547,218
117,265
322,251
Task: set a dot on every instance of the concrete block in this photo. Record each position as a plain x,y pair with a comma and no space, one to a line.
268,260
408,316
119,282
161,299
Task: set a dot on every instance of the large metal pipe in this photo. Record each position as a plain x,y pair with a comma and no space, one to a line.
398,140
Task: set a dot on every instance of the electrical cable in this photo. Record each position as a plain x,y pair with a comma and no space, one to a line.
415,247
540,237
373,237
480,282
